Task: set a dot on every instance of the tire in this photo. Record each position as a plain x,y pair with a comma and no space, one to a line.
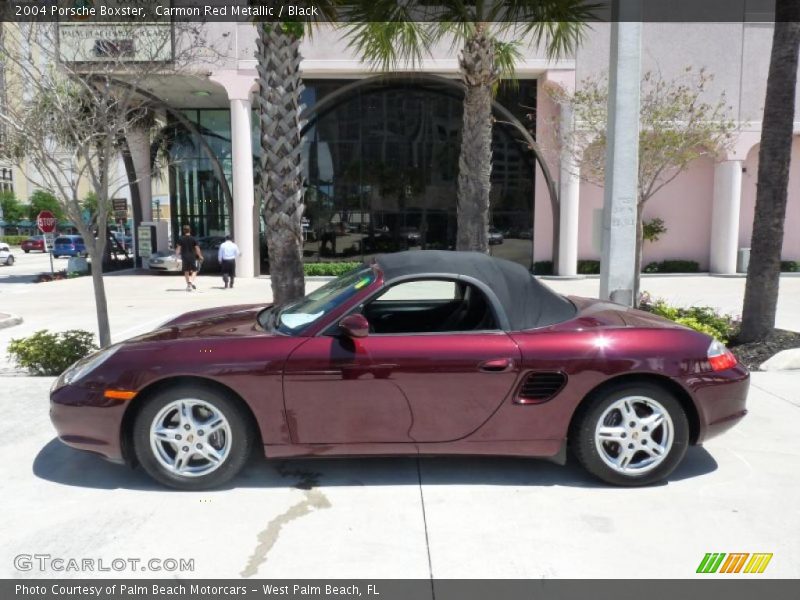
600,434
9,261
232,442
26,251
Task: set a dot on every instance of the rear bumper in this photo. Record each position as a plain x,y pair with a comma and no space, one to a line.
85,420
721,400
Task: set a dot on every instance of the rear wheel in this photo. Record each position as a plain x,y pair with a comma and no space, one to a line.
192,438
631,435
10,261
26,251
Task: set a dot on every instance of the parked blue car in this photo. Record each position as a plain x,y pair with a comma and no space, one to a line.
69,245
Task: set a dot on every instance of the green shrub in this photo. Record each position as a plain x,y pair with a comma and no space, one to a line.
790,266
46,353
589,267
333,269
672,266
543,267
653,229
13,240
705,319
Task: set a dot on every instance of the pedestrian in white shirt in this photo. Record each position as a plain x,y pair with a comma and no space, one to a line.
228,251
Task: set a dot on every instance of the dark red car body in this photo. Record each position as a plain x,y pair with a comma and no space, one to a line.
460,393
33,243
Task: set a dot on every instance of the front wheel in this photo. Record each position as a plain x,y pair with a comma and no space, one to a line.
631,435
10,261
191,438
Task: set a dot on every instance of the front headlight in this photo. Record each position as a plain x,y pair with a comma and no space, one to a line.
83,367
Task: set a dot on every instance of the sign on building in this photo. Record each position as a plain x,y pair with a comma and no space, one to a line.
82,40
120,207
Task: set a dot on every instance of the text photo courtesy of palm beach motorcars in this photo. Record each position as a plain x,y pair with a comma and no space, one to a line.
405,298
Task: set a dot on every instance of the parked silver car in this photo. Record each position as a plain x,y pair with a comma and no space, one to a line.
6,256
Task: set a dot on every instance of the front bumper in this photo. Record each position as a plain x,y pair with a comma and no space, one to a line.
84,419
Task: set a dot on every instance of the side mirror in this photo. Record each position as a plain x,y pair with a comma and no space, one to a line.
355,326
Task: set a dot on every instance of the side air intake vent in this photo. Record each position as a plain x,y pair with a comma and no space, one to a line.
540,387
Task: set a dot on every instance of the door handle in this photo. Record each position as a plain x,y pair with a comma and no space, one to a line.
496,365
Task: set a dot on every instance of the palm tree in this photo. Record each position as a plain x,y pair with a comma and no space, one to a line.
774,155
384,33
281,183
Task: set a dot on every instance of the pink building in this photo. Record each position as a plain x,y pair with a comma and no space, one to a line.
707,210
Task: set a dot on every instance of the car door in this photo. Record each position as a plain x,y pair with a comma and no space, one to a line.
433,384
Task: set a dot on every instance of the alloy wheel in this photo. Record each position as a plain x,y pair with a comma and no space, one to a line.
634,435
190,437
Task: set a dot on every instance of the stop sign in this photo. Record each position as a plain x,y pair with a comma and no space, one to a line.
46,221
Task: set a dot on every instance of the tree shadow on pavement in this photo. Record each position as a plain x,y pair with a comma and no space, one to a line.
60,464
27,278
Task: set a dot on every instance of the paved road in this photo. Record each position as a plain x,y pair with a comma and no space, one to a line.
26,267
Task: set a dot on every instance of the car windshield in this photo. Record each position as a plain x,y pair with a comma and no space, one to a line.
295,317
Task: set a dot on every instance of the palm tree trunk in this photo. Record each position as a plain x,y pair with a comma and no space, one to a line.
281,186
479,73
763,273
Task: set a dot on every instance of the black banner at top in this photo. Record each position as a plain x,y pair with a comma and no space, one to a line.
149,11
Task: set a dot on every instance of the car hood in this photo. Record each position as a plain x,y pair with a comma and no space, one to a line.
225,321
599,313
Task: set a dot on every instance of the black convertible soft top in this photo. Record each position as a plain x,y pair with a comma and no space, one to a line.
526,302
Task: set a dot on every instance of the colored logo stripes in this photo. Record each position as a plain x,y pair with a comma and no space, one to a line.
735,562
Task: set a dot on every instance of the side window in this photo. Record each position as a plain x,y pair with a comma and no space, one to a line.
427,289
430,306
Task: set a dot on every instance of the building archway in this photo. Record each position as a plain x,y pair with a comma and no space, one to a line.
381,158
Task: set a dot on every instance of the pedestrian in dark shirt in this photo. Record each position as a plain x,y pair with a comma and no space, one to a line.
189,252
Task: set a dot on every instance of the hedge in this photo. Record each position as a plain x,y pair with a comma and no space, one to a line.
790,266
672,266
13,240
329,269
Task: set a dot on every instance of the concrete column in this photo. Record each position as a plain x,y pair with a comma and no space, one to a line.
725,216
139,144
243,192
617,270
239,86
569,199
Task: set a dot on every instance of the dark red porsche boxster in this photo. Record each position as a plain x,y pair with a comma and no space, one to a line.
422,352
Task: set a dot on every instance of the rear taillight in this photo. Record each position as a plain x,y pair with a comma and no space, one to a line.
719,357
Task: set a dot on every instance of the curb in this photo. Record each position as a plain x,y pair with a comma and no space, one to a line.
9,320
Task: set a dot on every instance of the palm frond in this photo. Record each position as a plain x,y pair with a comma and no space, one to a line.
558,25
388,43
506,56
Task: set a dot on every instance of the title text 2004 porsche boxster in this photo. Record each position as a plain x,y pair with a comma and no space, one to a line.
422,352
